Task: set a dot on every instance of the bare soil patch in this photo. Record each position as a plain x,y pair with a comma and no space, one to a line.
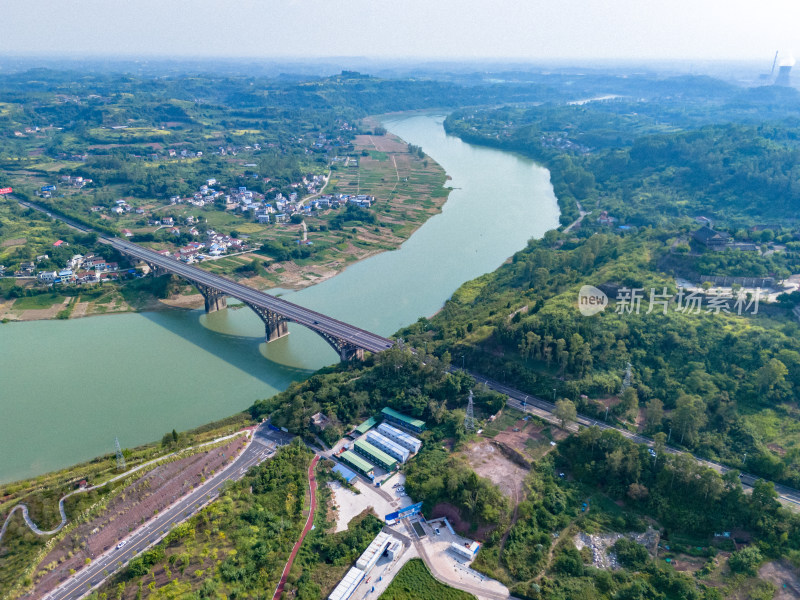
37,314
529,438
784,577
14,242
487,460
127,510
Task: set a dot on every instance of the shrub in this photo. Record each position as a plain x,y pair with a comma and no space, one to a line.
745,560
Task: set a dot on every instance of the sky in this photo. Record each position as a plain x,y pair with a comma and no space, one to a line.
532,30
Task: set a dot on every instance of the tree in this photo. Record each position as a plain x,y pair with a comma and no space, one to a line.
565,412
654,412
771,375
689,416
745,560
630,401
659,444
631,554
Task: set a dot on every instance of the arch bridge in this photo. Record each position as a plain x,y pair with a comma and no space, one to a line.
349,341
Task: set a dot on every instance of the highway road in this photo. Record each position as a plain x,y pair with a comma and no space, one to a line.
263,445
319,322
533,404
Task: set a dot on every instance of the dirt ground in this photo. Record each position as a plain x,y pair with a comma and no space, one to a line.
784,577
488,461
600,545
348,504
128,509
688,564
529,438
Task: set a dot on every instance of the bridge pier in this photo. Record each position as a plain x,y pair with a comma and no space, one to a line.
274,324
346,350
276,328
214,299
349,352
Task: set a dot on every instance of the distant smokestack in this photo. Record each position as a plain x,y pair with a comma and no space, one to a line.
785,65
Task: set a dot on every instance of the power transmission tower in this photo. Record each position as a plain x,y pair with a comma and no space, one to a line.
626,382
120,457
469,418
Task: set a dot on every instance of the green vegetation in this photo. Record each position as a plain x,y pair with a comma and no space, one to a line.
20,547
712,381
236,546
436,476
325,557
415,582
415,385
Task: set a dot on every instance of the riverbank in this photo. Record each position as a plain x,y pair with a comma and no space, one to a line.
71,386
409,188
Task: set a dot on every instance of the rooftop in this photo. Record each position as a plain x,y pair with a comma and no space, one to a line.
401,417
366,425
355,460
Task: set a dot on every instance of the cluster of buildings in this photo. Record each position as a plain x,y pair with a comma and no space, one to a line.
81,269
205,195
562,142
215,244
75,181
47,190
386,446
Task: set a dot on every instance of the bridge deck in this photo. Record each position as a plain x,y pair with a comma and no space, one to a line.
355,336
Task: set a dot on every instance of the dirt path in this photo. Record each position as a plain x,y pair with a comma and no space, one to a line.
394,162
312,484
577,221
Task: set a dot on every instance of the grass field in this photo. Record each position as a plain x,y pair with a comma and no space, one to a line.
38,302
507,418
415,582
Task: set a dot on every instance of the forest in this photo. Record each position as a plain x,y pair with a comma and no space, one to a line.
718,382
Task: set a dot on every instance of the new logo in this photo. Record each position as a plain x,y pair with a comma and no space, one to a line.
591,300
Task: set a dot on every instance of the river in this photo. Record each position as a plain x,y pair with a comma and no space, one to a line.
68,388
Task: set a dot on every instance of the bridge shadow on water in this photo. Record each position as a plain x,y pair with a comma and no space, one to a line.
236,336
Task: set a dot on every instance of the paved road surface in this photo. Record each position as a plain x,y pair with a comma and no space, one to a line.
312,486
472,589
262,447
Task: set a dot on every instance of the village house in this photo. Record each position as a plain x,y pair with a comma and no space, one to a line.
47,277
712,239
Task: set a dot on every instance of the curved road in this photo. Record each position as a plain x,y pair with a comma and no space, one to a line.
261,447
32,526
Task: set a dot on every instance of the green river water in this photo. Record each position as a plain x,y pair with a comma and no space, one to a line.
67,388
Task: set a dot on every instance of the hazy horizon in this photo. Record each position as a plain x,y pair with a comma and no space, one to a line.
538,31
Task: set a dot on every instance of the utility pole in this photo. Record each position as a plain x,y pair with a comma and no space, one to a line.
626,381
469,418
120,457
